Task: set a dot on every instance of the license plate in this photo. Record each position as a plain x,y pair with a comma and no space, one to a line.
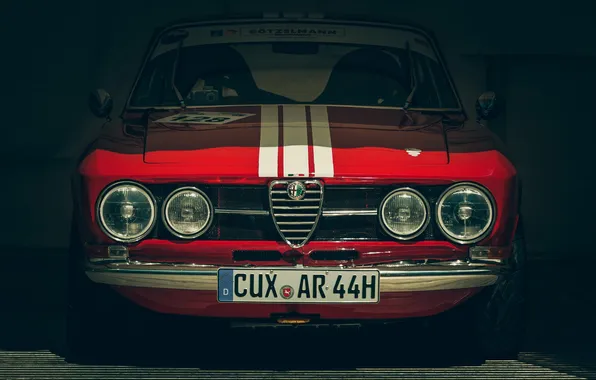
291,285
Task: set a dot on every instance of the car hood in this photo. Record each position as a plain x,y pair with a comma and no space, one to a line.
295,140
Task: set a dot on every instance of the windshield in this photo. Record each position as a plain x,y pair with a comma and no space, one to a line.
234,66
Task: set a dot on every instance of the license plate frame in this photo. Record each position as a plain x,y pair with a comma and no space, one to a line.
298,285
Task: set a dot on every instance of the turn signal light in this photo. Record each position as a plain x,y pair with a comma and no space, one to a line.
489,253
117,252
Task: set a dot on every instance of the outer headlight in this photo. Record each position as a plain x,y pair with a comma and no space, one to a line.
187,212
404,213
465,213
126,211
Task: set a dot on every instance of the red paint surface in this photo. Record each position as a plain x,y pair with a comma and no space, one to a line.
490,169
280,142
311,149
373,135
217,252
204,303
369,148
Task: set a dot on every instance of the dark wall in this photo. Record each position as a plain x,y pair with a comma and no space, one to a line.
60,51
551,131
55,50
51,58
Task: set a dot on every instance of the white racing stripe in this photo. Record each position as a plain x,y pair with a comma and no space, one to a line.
269,145
295,152
295,142
321,139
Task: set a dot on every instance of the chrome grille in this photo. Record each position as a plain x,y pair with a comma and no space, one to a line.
295,219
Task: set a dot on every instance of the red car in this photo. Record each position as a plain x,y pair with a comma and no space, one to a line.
297,171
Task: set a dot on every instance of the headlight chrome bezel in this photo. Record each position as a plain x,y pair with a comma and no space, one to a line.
493,209
166,222
427,212
103,195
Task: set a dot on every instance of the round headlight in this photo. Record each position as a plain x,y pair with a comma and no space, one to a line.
465,213
404,214
187,212
126,212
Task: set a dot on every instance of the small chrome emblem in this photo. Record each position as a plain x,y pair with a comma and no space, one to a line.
296,190
413,152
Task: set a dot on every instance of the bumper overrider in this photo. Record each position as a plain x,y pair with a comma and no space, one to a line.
397,277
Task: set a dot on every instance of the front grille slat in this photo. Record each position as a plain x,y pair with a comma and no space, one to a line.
297,219
279,214
285,192
296,207
294,201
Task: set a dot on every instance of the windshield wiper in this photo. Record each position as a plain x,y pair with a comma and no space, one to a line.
413,85
413,78
178,95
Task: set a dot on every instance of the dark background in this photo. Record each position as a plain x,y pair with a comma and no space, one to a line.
539,56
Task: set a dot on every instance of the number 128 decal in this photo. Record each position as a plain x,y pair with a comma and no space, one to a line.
204,118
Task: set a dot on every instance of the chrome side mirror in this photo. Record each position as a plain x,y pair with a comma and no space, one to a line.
100,103
488,106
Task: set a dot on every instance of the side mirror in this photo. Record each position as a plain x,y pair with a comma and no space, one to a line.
100,103
488,106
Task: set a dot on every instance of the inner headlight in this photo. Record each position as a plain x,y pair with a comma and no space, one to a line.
187,212
126,212
404,214
465,213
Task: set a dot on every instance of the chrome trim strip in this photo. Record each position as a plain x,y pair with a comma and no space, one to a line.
296,207
349,212
341,187
284,192
105,261
404,265
423,277
298,216
325,212
241,211
213,272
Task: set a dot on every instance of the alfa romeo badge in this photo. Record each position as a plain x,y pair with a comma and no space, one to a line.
296,190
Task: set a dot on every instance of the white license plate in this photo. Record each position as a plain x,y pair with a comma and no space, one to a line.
292,285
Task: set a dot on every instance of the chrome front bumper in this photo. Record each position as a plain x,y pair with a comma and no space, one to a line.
397,277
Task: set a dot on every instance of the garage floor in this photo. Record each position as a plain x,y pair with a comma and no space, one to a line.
559,342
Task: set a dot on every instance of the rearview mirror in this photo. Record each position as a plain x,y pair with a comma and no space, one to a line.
488,106
100,103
